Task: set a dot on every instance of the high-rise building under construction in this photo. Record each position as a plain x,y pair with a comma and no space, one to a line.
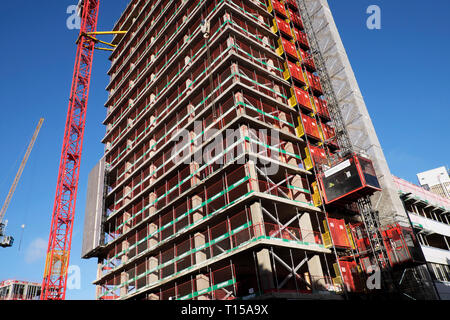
240,160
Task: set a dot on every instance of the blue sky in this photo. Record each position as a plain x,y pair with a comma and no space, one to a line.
402,71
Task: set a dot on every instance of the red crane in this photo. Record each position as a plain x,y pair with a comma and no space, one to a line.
59,244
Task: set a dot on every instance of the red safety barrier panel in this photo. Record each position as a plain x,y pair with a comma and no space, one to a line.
303,98
289,47
307,59
322,108
338,232
314,82
310,125
295,18
350,275
279,7
296,72
395,244
301,38
318,154
328,131
283,26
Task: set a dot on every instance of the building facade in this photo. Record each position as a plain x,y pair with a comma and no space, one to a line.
436,180
19,290
430,217
219,117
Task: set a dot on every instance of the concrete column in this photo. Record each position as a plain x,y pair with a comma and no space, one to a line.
152,296
235,69
315,269
125,246
194,147
130,120
152,121
270,66
127,195
98,289
153,276
282,125
200,240
152,145
276,88
298,182
199,213
306,228
191,112
124,278
193,167
153,241
188,85
265,270
126,226
127,169
289,147
251,172
152,169
239,98
256,216
202,282
25,291
247,147
152,198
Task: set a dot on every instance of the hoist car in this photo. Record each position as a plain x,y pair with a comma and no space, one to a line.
350,179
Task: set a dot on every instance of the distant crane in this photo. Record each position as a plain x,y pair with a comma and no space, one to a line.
7,241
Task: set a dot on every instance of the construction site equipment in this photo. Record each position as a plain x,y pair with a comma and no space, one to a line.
55,275
160,223
7,241
59,244
351,179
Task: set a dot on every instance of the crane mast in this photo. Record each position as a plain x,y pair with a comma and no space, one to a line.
59,244
4,240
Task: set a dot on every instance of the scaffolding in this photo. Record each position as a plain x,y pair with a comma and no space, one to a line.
204,97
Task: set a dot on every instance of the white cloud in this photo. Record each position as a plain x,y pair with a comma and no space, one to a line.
36,250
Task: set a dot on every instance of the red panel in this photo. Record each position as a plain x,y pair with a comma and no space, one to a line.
318,154
310,125
349,271
307,59
303,98
296,19
283,26
289,47
322,108
360,238
301,38
279,7
296,72
338,232
348,180
328,131
59,245
314,82
394,242
292,3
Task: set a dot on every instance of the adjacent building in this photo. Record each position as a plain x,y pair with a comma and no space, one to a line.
430,216
19,290
436,180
